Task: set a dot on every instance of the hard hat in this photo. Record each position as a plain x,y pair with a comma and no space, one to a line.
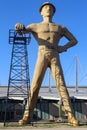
47,3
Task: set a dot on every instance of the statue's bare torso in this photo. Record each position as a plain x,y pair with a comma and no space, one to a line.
46,33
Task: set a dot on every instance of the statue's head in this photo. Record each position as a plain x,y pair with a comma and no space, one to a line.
45,6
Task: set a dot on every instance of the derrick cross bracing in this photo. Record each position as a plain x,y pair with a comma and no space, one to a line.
19,81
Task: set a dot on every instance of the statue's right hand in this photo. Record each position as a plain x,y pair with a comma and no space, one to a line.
19,26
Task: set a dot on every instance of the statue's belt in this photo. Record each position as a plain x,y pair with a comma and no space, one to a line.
47,47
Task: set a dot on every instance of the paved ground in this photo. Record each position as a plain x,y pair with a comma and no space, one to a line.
43,126
36,128
46,129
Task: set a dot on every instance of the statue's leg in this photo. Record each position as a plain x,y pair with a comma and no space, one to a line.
60,82
39,72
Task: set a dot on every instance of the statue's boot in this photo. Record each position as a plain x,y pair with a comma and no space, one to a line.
72,120
25,120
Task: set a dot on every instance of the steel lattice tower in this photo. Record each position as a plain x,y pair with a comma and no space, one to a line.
19,81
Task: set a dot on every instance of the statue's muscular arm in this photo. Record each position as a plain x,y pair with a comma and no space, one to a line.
69,36
20,28
72,40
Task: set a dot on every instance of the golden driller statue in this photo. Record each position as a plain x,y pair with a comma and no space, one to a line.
48,35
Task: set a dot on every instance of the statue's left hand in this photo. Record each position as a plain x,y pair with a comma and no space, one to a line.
61,49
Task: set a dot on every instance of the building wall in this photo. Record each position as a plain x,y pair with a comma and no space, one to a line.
13,109
80,109
53,111
45,109
84,110
42,110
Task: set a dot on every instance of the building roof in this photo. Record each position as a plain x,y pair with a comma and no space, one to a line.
50,93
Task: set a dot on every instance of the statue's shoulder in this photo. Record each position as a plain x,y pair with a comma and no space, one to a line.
34,25
58,25
63,27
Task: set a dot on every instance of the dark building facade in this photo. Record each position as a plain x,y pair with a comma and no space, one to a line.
48,107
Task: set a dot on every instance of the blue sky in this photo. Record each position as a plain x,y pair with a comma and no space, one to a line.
70,13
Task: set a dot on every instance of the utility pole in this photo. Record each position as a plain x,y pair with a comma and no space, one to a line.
76,73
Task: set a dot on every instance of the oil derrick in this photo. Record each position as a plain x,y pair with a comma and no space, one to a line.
19,81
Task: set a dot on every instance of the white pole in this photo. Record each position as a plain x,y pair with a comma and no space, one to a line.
76,73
